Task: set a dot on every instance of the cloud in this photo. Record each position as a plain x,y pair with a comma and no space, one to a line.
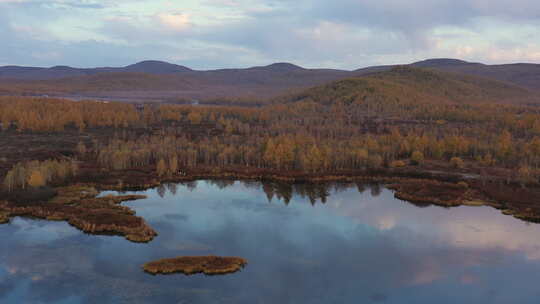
315,33
58,3
418,14
220,3
176,22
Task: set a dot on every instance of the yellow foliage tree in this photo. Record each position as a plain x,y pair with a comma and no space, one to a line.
457,162
36,179
195,118
173,165
417,157
161,168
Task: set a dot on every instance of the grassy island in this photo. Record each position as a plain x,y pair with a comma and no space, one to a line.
209,265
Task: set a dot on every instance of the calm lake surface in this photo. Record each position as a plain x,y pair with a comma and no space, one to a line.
360,246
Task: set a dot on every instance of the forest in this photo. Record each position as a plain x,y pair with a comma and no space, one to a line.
305,135
288,137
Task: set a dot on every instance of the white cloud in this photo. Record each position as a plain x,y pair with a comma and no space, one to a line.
345,34
176,22
231,3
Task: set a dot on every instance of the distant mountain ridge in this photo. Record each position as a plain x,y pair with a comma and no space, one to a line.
158,80
162,80
441,62
523,74
56,72
147,66
279,67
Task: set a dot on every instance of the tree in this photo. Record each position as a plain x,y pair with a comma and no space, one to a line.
173,164
488,160
20,173
9,181
195,118
362,157
456,162
5,123
417,157
525,174
148,115
81,149
269,153
284,154
313,159
397,164
504,146
36,179
161,168
375,161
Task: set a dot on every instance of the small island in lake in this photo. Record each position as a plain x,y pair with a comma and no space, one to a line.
209,265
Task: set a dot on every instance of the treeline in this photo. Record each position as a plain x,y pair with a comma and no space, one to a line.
327,110
46,115
311,154
55,115
38,174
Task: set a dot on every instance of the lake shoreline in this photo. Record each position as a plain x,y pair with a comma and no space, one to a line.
446,189
73,203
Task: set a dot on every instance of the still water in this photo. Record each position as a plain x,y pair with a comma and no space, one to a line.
332,244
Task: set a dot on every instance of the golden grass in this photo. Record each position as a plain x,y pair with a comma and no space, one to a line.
4,218
209,265
79,206
474,203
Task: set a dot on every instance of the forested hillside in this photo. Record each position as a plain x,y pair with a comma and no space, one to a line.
404,84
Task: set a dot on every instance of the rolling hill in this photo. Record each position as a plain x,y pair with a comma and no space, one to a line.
58,72
411,84
158,80
526,75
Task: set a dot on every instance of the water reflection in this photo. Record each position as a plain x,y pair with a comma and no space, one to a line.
282,191
341,243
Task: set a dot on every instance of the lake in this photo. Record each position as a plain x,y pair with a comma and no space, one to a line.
342,243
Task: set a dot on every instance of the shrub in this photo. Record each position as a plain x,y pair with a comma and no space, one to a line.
463,184
397,164
36,179
457,162
417,157
525,174
30,196
375,161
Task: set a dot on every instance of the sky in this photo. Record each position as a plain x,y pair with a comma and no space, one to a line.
209,34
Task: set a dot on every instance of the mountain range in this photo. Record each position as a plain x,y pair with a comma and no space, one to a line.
158,80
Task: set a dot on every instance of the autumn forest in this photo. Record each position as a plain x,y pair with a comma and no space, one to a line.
406,123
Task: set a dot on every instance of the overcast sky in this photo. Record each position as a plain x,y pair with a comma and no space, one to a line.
207,34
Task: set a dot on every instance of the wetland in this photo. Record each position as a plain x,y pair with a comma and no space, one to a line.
322,243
